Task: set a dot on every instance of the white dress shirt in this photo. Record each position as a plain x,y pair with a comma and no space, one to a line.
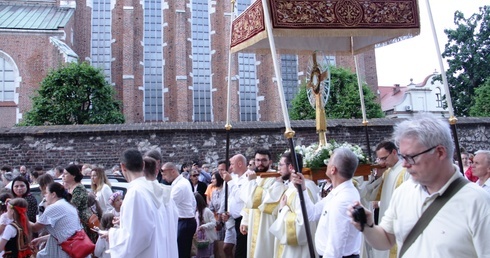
235,202
335,235
183,197
485,186
461,228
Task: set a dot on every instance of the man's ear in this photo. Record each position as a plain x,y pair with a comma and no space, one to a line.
123,167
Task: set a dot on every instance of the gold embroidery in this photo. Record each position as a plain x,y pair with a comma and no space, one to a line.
254,231
291,229
270,207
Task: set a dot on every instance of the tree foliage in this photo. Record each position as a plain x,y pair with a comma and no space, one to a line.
74,94
482,103
343,102
468,56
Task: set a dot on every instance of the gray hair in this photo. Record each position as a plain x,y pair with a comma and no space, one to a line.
428,129
345,161
487,156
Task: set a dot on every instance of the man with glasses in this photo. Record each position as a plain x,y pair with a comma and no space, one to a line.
289,227
461,228
392,174
261,196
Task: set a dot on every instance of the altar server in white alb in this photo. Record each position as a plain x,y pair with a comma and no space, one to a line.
141,219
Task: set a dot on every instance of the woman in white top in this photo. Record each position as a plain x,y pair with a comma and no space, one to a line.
60,219
101,188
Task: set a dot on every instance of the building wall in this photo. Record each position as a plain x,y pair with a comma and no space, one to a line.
181,142
127,68
34,56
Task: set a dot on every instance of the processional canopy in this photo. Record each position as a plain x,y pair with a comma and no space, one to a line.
338,27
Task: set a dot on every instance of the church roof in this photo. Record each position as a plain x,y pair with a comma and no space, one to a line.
33,17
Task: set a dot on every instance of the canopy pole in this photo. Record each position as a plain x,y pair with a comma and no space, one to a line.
452,119
228,105
365,122
289,133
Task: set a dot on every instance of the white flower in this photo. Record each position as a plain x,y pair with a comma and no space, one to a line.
317,157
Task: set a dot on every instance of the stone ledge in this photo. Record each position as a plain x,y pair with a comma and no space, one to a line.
201,126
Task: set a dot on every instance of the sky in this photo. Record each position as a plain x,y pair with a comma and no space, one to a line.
416,58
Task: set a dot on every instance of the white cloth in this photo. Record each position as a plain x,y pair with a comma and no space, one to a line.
390,183
101,246
103,196
485,186
183,197
335,235
290,220
61,221
260,242
460,229
9,232
209,224
235,200
145,228
5,220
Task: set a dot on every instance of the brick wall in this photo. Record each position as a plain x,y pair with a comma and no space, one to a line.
34,56
180,142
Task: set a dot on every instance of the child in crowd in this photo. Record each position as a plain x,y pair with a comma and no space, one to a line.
206,228
4,219
116,201
102,245
17,235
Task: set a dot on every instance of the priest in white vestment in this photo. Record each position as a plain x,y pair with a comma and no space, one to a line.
289,227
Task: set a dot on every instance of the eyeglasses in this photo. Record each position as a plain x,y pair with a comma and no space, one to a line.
196,175
411,159
384,158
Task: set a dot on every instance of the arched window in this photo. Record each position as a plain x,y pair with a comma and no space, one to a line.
8,72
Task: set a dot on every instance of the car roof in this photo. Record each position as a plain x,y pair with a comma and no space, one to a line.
121,187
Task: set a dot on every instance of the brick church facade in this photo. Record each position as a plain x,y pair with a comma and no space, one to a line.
167,59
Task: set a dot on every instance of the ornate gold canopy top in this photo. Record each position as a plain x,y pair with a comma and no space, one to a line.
326,25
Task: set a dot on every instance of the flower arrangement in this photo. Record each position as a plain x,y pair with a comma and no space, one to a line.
314,157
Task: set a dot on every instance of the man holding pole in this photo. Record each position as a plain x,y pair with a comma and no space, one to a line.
289,227
335,237
261,207
437,213
233,218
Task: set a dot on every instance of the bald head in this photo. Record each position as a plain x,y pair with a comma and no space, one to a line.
238,164
170,172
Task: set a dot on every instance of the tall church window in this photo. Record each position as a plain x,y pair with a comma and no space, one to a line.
289,73
247,78
153,60
201,61
101,56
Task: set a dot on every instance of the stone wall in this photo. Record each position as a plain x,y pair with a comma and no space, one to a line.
181,142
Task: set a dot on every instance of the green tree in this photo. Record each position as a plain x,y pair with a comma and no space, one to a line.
468,56
482,97
76,93
343,101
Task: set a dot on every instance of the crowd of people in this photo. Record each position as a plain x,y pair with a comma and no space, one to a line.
416,204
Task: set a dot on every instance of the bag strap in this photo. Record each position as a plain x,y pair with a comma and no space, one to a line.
430,213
